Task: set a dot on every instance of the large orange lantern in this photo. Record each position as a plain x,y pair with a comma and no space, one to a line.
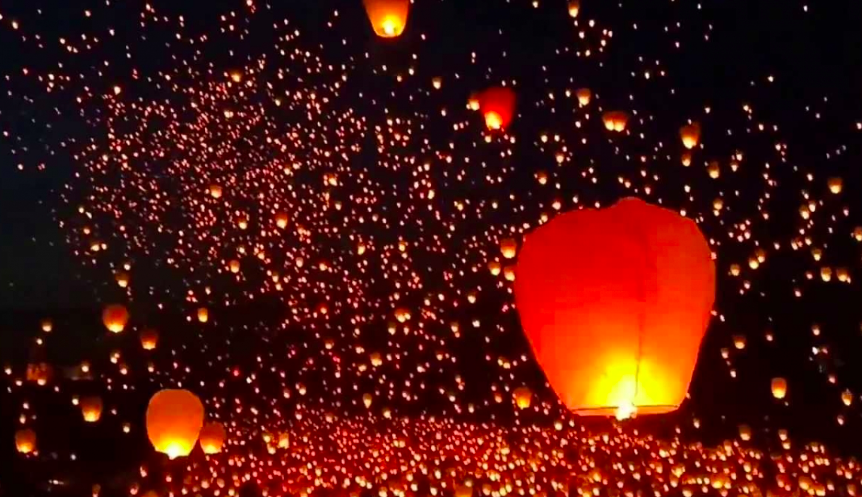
779,388
615,120
388,17
174,421
523,397
91,409
149,339
690,135
212,437
497,106
614,303
25,440
115,317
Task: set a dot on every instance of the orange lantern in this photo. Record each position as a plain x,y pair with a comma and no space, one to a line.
174,421
690,135
388,17
574,8
523,397
281,220
779,388
835,184
25,440
584,95
115,317
122,278
234,266
215,191
614,303
47,325
615,120
509,248
203,315
212,437
497,106
149,339
91,409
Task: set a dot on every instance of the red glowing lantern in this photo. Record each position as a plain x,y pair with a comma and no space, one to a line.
498,107
614,303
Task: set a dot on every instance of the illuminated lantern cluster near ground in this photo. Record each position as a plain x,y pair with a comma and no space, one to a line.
615,303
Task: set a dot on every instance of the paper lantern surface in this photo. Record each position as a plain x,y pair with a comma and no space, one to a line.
614,303
388,17
174,421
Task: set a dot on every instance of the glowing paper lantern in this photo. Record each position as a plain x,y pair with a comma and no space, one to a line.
615,120
203,315
174,421
122,278
149,339
212,437
388,17
509,248
91,409
614,303
779,388
115,317
497,106
215,191
690,135
835,184
25,440
47,325
523,397
584,95
574,8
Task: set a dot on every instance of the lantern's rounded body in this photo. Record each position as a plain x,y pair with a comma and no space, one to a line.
212,438
779,388
615,120
614,303
115,317
174,421
25,441
498,107
690,135
203,315
91,409
388,17
149,339
523,397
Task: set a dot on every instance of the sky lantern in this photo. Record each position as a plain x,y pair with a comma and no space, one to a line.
584,95
215,191
615,120
203,315
212,437
574,8
281,220
509,248
25,440
494,267
690,135
779,388
367,399
47,325
614,303
835,184
523,397
91,409
498,107
115,317
174,421
149,339
388,17
847,397
122,278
